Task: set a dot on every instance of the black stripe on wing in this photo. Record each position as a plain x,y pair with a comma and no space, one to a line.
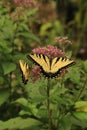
37,55
24,79
49,74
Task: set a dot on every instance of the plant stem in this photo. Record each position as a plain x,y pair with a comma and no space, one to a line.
48,104
81,91
10,86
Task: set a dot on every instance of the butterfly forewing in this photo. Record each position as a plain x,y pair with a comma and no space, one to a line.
41,60
36,58
46,65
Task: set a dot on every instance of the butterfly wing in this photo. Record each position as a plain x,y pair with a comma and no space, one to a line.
59,63
43,61
51,67
25,71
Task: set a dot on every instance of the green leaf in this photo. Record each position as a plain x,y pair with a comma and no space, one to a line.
81,104
19,56
24,27
69,54
58,26
4,47
28,107
8,67
23,112
32,12
85,65
6,27
1,80
42,112
29,36
35,92
19,123
22,101
44,28
66,123
80,115
4,95
78,122
74,75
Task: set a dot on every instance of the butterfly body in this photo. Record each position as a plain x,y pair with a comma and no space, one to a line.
50,67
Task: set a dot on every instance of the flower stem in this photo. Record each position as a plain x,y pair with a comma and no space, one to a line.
48,104
81,90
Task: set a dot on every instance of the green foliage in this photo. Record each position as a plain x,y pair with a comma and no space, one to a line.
11,67
51,29
80,110
4,95
66,123
24,107
20,123
80,115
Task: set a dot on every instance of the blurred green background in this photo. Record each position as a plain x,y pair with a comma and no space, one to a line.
22,29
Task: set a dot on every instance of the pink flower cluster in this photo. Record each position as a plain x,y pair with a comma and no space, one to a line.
62,40
50,51
25,3
35,73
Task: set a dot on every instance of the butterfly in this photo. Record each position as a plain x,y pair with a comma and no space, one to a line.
50,67
25,71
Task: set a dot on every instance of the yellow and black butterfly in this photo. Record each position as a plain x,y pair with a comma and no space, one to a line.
25,71
51,67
